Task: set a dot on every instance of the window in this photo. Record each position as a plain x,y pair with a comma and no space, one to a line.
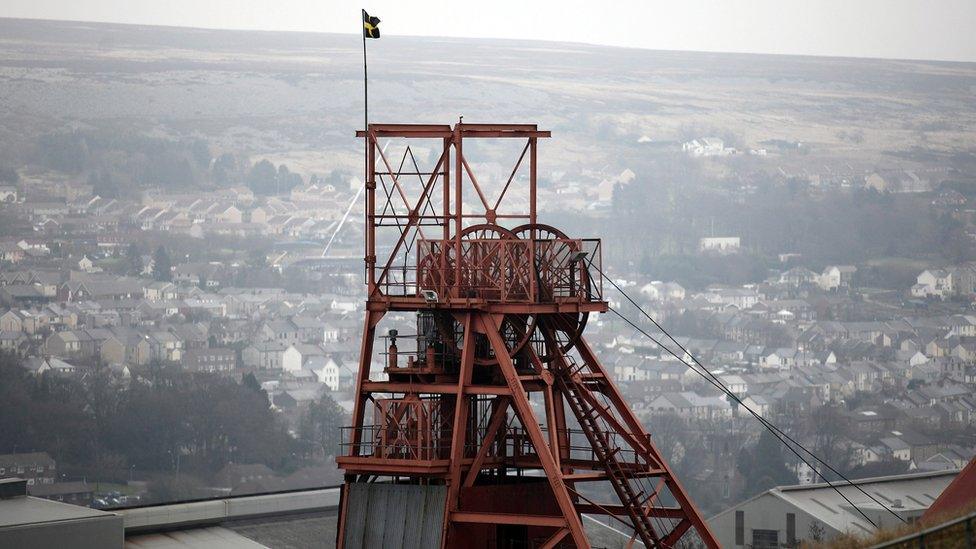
765,539
791,528
740,527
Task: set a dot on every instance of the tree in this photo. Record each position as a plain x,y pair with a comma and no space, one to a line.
133,259
225,169
817,531
252,383
320,425
287,180
162,265
763,465
831,439
263,178
200,152
9,175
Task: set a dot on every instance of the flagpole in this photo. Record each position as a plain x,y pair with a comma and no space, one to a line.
365,83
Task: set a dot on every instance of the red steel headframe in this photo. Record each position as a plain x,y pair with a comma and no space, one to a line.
501,303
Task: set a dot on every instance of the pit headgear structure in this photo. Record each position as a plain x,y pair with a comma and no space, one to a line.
485,419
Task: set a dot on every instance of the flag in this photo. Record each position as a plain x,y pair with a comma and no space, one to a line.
371,26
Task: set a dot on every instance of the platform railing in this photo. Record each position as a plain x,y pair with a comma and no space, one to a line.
513,444
502,270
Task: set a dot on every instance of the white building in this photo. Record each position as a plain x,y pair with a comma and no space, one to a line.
297,356
837,276
719,244
333,373
8,193
933,283
742,298
707,146
663,291
788,514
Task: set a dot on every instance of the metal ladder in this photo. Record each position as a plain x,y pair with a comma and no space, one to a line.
606,452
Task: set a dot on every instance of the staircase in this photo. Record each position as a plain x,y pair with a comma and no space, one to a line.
606,452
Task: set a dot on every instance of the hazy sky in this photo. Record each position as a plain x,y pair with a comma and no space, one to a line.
917,29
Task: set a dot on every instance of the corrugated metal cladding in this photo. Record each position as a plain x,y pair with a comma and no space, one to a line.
394,515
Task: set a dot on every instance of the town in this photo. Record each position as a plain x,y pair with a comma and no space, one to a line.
126,287
183,278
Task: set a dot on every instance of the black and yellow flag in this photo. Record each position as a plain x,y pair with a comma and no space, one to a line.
371,26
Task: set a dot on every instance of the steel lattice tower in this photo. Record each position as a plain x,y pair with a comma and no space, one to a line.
495,424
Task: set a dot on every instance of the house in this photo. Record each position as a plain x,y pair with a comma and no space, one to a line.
964,279
11,321
786,515
332,372
292,400
8,194
38,366
10,252
741,298
933,283
160,290
736,384
266,355
330,333
282,331
837,276
260,215
783,358
707,146
798,276
309,329
759,404
691,405
210,360
35,467
22,296
871,419
231,214
86,264
629,367
663,291
165,345
71,344
297,355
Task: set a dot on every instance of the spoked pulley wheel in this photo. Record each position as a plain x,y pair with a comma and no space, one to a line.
552,250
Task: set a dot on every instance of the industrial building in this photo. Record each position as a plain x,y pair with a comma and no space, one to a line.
788,514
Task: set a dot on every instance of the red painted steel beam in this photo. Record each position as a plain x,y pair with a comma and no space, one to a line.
408,134
366,352
602,475
524,410
499,127
618,510
555,538
495,423
679,531
627,414
503,134
439,388
411,303
381,466
507,518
